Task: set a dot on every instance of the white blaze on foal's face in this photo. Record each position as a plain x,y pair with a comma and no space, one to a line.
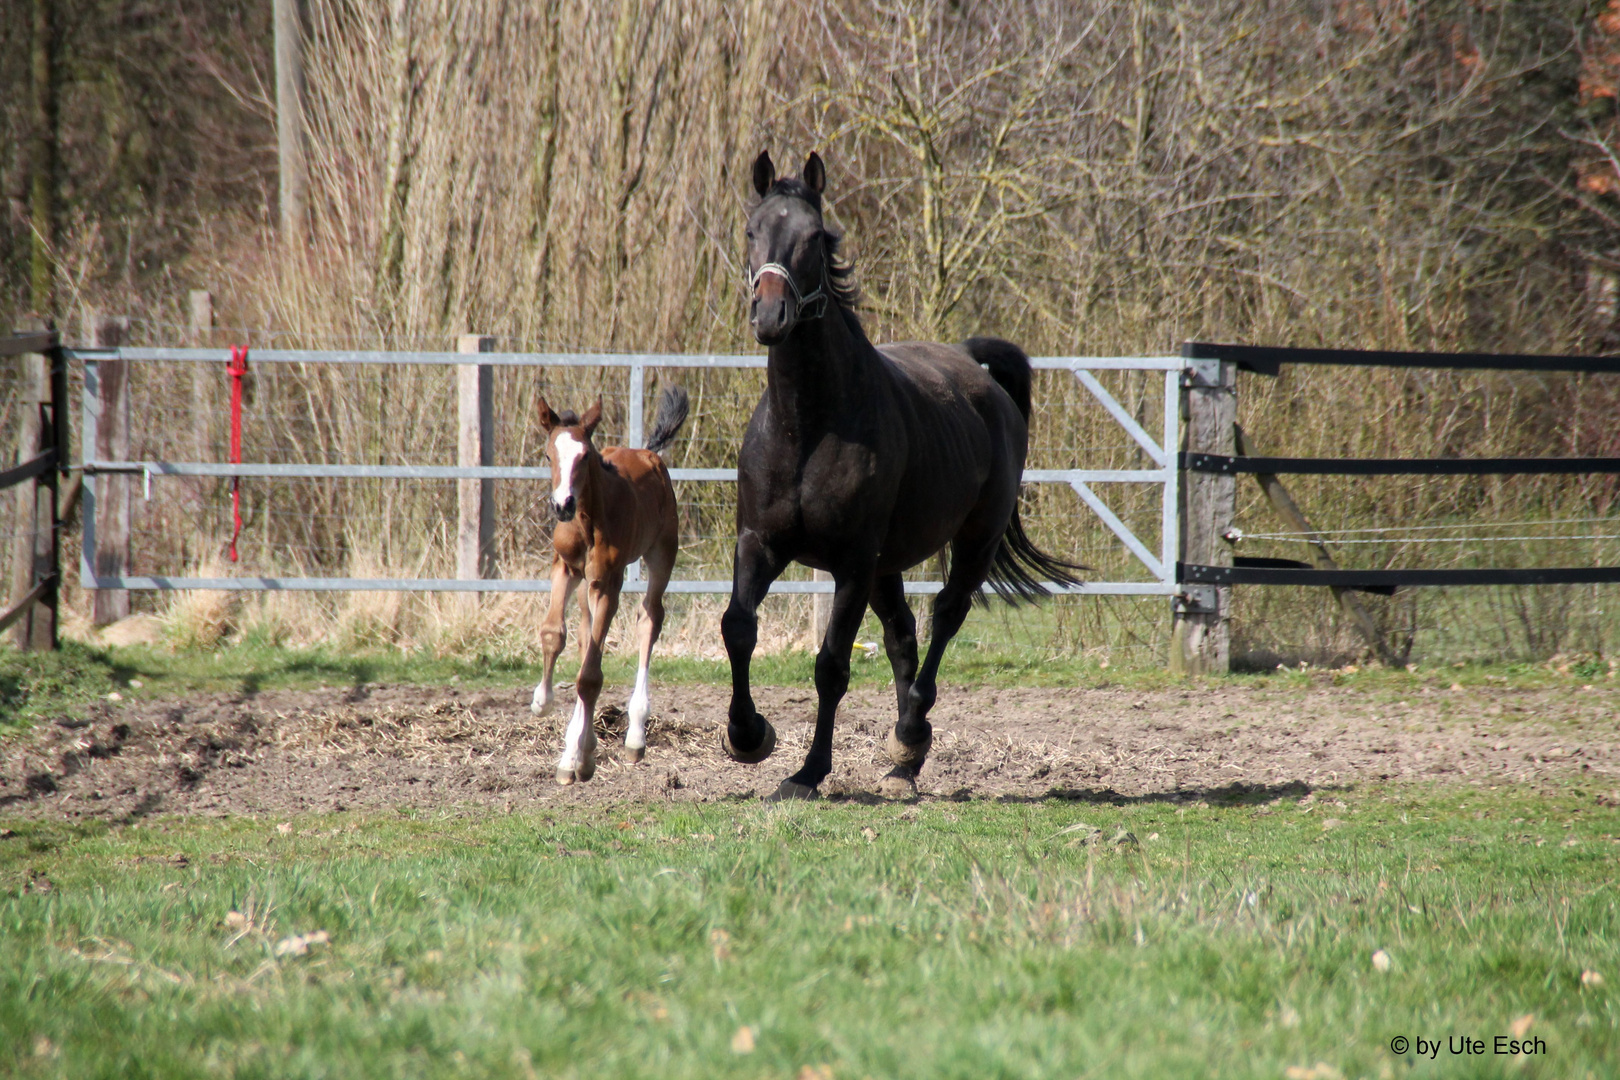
569,451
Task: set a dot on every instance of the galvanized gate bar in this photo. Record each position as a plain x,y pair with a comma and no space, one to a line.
350,472
525,472
152,583
636,438
1170,512
1108,363
1125,419
1119,528
496,359
523,359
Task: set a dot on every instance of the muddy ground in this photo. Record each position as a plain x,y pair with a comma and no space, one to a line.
376,747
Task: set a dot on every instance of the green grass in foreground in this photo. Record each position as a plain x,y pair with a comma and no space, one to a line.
33,686
964,940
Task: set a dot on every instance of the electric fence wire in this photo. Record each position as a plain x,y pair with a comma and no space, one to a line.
1533,524
1308,538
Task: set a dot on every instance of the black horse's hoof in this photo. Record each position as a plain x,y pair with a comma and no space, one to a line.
767,745
793,791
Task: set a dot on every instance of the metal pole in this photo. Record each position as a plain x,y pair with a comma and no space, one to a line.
635,435
1170,520
475,499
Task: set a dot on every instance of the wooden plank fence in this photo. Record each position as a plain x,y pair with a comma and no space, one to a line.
31,609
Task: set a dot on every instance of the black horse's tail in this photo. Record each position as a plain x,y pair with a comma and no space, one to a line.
671,415
1020,567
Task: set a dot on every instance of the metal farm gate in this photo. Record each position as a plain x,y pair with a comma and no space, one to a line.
109,470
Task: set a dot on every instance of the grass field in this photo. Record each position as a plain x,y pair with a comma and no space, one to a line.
1121,938
1146,939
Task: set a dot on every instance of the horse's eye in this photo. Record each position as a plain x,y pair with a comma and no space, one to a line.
750,234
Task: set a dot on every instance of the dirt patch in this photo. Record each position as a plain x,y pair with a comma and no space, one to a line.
405,746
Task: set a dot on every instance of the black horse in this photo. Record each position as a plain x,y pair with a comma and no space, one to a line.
864,462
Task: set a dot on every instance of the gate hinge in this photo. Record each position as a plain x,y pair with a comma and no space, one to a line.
1196,598
1205,373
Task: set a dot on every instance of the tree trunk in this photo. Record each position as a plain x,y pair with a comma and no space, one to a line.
42,193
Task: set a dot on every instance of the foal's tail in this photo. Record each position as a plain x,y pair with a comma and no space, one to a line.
671,415
1020,568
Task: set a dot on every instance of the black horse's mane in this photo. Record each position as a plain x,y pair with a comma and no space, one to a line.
841,281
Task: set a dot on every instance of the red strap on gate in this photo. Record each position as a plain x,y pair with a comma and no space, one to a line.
238,368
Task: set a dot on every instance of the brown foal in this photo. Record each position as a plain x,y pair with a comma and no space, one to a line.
613,507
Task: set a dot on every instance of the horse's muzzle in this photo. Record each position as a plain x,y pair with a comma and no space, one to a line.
565,509
771,317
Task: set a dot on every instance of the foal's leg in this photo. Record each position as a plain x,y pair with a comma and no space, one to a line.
578,761
659,566
553,633
749,737
850,593
900,642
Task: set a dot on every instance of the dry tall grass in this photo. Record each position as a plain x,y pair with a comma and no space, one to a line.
1089,177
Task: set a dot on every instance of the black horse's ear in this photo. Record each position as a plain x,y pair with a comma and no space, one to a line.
548,419
592,417
815,173
764,172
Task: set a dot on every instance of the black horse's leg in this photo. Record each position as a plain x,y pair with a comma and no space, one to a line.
899,632
850,593
749,737
900,642
913,736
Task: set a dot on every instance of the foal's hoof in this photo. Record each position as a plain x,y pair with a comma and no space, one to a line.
634,754
581,773
792,790
753,757
907,755
901,783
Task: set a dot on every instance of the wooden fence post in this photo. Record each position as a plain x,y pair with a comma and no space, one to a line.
1199,642
820,610
200,335
288,17
36,553
475,499
112,490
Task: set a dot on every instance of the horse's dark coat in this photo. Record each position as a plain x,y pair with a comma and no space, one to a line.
863,462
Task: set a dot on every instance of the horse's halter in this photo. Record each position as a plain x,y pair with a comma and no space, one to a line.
802,299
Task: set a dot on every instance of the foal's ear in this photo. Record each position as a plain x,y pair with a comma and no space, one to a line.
548,419
592,417
764,172
815,173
